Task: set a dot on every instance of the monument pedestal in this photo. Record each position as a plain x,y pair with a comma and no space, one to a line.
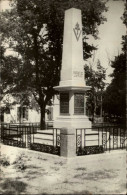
72,122
68,142
72,108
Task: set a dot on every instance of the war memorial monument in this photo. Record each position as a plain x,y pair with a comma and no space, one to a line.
72,86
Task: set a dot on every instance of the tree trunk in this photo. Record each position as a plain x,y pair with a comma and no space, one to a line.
95,107
101,107
101,112
42,118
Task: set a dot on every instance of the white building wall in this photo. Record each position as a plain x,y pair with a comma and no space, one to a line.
6,118
12,117
13,114
33,116
56,107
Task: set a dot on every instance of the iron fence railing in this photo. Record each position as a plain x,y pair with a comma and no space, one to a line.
30,136
45,141
99,139
88,140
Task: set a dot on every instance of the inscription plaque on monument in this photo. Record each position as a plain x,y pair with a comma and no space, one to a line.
79,103
78,74
64,103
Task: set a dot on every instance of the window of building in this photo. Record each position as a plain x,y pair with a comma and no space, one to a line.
22,113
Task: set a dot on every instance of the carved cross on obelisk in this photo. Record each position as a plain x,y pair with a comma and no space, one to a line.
77,31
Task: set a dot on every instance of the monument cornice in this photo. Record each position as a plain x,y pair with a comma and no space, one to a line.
72,88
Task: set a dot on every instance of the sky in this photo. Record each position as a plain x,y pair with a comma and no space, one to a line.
110,34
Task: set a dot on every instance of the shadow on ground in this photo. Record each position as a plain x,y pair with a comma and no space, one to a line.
10,186
95,175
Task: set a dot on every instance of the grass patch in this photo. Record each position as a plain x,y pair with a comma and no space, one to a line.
81,169
40,158
20,164
4,161
55,168
59,163
95,175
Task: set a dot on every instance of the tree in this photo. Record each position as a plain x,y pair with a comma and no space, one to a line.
115,94
96,79
34,29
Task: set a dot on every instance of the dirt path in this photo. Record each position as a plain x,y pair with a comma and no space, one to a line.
29,172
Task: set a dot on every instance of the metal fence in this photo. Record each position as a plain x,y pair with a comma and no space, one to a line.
88,140
30,136
45,141
15,134
99,139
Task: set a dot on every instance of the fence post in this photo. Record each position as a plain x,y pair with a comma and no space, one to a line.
68,142
28,137
2,133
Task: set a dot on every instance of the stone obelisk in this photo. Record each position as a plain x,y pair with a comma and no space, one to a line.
72,86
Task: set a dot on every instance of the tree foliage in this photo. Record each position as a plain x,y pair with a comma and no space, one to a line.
34,30
95,79
115,95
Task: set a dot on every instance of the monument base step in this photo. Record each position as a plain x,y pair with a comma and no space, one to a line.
72,122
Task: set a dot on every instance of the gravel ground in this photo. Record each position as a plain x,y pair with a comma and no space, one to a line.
30,172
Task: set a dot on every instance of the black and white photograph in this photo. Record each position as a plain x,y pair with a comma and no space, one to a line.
63,112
